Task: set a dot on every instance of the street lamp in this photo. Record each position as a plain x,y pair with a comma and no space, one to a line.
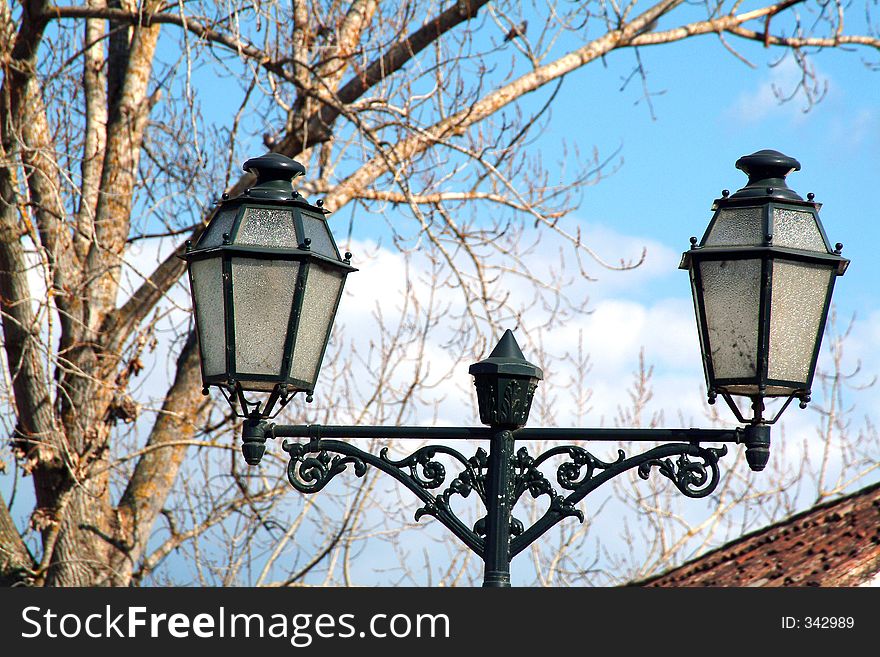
762,278
266,279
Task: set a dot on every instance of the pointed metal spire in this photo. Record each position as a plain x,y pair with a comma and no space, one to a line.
507,358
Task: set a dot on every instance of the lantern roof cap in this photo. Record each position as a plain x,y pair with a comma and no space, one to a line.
275,173
767,170
507,358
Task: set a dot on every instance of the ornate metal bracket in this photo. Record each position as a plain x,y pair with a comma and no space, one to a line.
695,473
583,473
419,472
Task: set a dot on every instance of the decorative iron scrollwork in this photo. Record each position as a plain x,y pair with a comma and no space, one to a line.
530,478
690,477
420,472
310,474
433,475
582,473
694,472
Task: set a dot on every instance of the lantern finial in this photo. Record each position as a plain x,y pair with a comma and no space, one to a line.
274,172
767,170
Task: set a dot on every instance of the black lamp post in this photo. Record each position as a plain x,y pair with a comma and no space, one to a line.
762,279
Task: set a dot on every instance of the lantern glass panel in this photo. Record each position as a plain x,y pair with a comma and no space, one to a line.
267,227
207,283
798,296
262,298
323,288
737,227
797,229
732,300
219,225
316,229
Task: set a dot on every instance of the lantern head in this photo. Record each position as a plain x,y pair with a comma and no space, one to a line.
762,278
266,280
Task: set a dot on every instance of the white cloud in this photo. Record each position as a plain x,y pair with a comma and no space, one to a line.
660,261
622,322
773,96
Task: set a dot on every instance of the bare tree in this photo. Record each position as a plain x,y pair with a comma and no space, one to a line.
110,140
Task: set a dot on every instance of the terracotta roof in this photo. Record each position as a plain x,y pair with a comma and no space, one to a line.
836,543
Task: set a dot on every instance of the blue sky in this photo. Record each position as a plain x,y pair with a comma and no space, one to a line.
707,117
